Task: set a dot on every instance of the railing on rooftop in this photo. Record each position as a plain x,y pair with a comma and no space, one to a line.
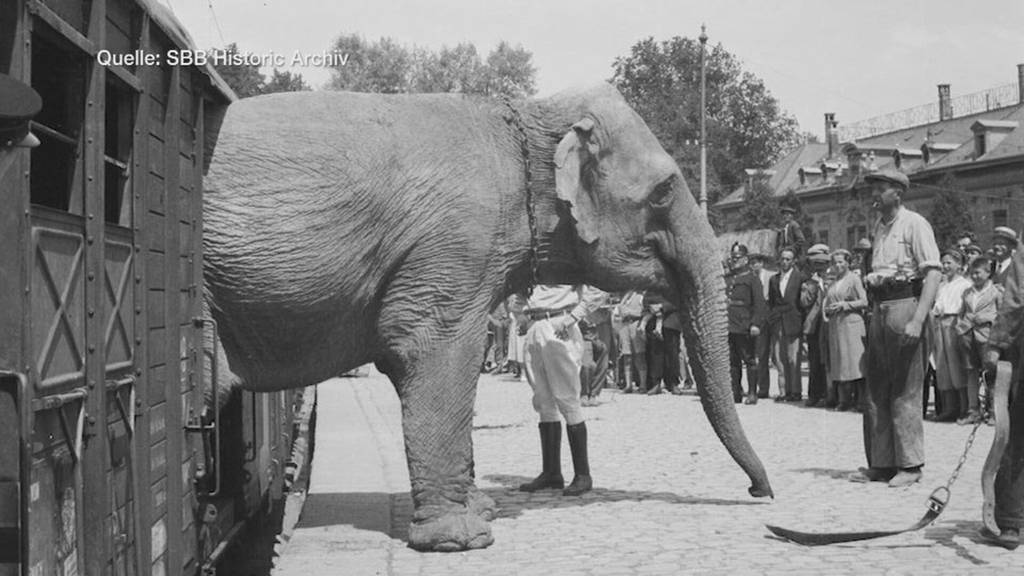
965,105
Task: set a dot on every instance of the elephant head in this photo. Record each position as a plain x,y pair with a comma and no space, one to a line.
637,225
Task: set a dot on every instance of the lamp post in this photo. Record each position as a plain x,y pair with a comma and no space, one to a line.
703,132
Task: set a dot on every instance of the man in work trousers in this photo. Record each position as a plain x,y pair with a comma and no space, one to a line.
554,354
902,283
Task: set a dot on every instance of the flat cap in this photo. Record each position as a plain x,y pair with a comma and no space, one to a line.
973,249
1005,233
18,104
787,208
819,257
889,175
818,249
863,244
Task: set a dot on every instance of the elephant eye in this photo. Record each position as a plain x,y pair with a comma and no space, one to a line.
661,196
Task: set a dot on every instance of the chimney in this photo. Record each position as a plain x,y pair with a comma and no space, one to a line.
831,135
1020,83
945,104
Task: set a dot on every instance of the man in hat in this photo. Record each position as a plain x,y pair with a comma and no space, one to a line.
746,315
791,235
902,284
18,104
1004,244
812,299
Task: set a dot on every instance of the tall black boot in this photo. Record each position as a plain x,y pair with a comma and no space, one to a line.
551,456
581,481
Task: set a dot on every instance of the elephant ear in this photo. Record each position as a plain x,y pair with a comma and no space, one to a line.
576,150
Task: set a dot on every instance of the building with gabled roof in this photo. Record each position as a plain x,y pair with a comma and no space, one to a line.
982,149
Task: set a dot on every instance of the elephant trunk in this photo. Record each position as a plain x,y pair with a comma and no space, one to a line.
698,274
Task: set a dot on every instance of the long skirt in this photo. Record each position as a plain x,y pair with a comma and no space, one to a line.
950,370
846,347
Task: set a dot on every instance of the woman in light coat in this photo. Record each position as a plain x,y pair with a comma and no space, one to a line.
844,301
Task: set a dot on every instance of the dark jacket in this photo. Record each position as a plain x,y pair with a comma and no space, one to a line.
790,236
746,301
785,308
1009,324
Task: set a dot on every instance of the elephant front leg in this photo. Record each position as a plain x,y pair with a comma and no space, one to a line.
451,514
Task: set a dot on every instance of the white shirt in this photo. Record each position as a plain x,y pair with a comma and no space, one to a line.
765,277
950,297
784,281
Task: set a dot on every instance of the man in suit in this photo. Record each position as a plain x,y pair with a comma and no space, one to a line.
1004,244
784,307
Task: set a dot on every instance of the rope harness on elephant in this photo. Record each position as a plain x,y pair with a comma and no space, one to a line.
516,120
939,497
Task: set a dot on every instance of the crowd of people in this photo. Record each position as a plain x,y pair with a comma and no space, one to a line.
877,326
631,341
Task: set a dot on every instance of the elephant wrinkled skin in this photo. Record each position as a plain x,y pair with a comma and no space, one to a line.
347,228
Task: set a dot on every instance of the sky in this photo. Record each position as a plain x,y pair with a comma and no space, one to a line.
858,59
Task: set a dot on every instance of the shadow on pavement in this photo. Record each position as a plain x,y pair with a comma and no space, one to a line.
390,514
512,502
826,472
943,534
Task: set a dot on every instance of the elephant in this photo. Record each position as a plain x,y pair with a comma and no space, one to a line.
343,228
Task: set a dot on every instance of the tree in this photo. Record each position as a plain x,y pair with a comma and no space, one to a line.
746,127
244,79
386,66
509,72
285,82
950,216
381,66
760,208
247,80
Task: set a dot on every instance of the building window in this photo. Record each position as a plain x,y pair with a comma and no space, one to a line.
979,145
999,218
823,237
854,234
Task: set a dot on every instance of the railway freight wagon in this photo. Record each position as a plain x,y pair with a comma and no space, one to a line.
117,456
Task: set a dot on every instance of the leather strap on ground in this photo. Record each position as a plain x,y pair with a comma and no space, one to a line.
936,503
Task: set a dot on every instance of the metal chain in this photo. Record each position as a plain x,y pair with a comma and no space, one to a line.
970,439
516,120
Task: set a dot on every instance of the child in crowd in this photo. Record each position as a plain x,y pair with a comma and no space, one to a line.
981,302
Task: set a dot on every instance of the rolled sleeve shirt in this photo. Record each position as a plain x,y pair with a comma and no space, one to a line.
905,247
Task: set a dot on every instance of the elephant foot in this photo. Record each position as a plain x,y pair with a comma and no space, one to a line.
481,504
454,531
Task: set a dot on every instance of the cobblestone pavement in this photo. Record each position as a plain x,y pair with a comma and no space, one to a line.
668,499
